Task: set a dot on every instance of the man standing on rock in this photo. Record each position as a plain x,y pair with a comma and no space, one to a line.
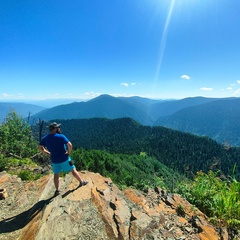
58,147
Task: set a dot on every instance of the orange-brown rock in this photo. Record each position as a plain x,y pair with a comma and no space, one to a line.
98,210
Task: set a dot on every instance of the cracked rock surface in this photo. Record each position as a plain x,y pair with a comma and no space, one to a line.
98,210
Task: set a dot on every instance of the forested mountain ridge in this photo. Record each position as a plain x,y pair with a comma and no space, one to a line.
167,108
145,111
218,120
104,106
183,152
212,117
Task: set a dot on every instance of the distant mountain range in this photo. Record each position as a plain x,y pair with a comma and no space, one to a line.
22,109
145,111
104,106
217,118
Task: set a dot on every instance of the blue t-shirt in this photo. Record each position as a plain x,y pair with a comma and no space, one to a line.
57,146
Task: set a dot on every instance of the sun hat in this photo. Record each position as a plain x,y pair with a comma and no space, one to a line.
54,125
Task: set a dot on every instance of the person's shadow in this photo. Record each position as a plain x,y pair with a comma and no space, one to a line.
69,191
21,220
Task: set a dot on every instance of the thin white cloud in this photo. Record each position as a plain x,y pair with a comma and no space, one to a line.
10,96
206,89
237,92
238,81
186,77
229,88
6,95
88,95
130,84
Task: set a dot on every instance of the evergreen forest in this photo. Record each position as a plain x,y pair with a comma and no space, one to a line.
183,152
203,171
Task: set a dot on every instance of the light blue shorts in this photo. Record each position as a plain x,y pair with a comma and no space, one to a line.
66,166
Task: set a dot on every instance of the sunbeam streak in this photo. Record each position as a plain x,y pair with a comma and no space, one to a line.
162,46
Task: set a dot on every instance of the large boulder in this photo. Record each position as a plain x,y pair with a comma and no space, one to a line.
98,210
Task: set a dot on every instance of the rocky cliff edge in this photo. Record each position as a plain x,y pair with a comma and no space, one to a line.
99,210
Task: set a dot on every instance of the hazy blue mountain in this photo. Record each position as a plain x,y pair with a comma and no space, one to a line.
139,101
49,103
166,108
218,120
22,109
145,111
104,106
213,117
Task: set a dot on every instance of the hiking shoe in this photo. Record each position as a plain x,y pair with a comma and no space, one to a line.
83,183
57,192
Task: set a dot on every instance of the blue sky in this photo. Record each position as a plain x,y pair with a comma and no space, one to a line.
80,49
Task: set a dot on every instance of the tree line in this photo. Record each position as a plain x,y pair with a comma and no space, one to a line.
185,153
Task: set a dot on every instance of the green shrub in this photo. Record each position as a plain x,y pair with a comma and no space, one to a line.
28,175
219,199
16,137
180,210
3,163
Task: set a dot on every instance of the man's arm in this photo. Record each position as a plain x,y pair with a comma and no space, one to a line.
42,149
69,148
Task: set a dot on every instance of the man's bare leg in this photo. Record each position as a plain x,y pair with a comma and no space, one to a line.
77,176
56,181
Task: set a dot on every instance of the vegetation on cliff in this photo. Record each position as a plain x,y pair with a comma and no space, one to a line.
213,192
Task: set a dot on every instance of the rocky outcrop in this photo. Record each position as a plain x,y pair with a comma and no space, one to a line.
98,210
